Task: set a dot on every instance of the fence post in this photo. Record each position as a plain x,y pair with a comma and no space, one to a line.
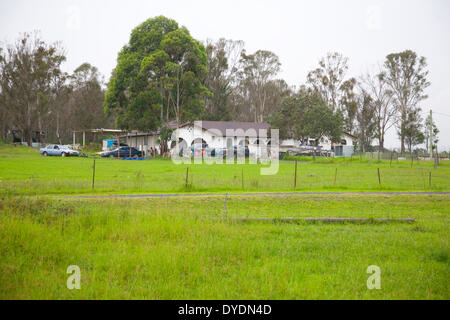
225,207
93,176
295,175
379,177
390,164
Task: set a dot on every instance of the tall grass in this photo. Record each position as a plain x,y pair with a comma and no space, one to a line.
182,249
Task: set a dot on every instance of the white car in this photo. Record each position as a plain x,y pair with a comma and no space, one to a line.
58,150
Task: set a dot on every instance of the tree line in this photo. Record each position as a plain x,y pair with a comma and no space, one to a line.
41,103
165,75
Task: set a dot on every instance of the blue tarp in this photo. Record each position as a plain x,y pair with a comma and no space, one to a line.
135,159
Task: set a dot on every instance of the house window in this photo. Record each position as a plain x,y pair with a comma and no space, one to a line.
344,142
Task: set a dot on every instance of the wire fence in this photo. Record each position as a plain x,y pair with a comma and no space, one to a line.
352,174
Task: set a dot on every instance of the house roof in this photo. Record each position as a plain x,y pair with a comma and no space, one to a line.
350,135
222,126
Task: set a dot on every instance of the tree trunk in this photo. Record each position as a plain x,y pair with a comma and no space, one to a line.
402,131
57,128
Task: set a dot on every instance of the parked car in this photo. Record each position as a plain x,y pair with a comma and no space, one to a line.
58,150
198,149
212,152
242,151
114,145
123,153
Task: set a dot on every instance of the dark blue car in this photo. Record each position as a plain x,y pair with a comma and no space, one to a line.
125,152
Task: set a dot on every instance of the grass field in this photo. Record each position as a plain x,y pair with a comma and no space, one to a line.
24,171
183,248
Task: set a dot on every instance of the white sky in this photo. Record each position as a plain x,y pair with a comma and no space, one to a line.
299,32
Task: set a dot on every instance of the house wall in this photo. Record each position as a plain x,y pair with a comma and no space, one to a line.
143,143
216,140
325,142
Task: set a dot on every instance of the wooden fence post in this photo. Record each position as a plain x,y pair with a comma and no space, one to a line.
379,177
225,207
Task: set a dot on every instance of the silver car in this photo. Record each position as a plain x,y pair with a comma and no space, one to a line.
58,150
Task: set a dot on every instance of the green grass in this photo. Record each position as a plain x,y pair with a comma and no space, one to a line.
24,171
181,248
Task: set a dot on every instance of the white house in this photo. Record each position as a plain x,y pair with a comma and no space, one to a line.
216,134
221,134
347,139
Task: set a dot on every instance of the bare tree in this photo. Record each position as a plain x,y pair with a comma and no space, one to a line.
382,99
329,78
223,66
330,81
258,69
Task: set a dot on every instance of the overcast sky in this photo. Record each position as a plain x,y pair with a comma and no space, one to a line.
299,32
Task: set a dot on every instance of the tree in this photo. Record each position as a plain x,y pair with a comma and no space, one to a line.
165,137
187,70
86,99
76,103
412,128
27,68
290,119
430,125
384,110
406,75
329,80
366,121
223,66
160,71
321,121
258,70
